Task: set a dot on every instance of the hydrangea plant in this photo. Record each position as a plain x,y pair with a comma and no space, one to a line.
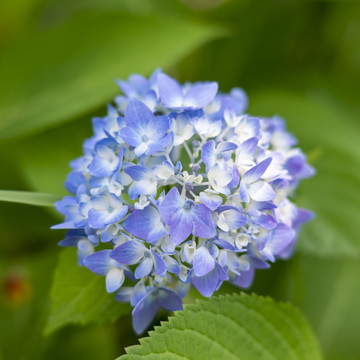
179,187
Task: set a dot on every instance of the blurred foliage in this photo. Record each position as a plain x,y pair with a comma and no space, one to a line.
91,304
59,60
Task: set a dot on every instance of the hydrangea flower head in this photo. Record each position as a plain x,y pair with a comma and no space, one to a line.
179,187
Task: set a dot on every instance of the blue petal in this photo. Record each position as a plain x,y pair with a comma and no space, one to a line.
158,127
131,136
261,191
172,265
74,180
101,167
170,205
302,217
158,145
256,171
99,262
170,91
208,155
211,201
203,262
203,223
234,218
182,289
247,148
200,95
138,293
245,279
266,221
144,268
280,238
244,196
73,237
124,294
138,172
99,219
85,248
207,284
226,146
181,227
137,115
159,264
236,178
129,253
114,279
145,224
144,313
168,300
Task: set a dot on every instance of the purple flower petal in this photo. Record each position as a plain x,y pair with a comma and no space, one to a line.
200,95
137,115
130,136
170,91
129,253
203,224
158,127
203,262
168,300
99,263
181,227
114,279
170,205
145,224
210,200
159,264
208,154
144,313
207,284
144,268
256,171
138,172
245,279
261,191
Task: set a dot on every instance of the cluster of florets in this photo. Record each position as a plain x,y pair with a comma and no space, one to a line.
179,187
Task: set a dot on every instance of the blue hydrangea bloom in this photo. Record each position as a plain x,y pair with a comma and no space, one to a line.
179,187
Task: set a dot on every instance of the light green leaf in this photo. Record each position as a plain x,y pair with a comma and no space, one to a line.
28,197
329,134
53,75
230,327
79,296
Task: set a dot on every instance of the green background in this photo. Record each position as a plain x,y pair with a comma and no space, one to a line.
58,63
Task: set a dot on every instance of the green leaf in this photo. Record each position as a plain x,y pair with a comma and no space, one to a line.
230,327
28,197
53,75
79,296
329,133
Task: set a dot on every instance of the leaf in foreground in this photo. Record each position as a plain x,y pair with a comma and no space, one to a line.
230,327
79,296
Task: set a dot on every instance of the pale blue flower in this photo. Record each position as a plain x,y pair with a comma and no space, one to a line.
178,187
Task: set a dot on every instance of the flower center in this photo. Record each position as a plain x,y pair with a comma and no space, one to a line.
144,138
188,204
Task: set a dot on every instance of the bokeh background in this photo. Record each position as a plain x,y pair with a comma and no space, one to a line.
296,59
